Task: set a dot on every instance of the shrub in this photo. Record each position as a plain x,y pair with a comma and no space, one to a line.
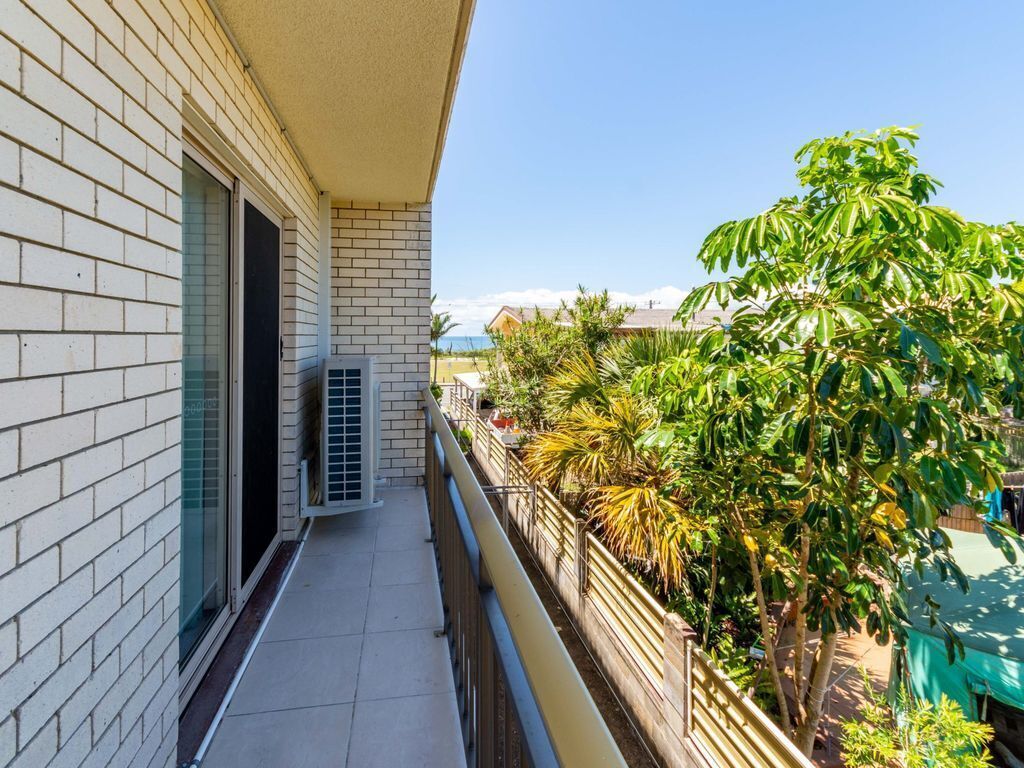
919,735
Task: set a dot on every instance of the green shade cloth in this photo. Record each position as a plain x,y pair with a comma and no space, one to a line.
989,620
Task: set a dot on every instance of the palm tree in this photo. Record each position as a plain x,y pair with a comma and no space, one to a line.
441,324
602,409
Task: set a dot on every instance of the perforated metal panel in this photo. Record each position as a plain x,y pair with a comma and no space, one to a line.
348,431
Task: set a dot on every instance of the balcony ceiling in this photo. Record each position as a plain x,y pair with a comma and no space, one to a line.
363,87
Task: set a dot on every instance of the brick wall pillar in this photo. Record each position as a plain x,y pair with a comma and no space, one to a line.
380,306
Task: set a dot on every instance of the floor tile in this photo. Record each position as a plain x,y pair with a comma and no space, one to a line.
335,637
318,613
405,496
393,538
408,567
406,606
407,663
299,673
403,514
321,572
413,732
364,518
336,540
295,738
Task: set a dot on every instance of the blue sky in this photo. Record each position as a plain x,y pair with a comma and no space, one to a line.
598,142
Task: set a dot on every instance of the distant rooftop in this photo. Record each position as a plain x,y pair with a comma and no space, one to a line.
639,319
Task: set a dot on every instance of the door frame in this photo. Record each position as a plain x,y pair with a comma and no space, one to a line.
202,655
244,194
204,155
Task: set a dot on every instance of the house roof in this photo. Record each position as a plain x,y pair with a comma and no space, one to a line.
363,89
638,319
473,380
988,616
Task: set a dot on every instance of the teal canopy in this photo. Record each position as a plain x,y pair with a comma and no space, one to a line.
989,619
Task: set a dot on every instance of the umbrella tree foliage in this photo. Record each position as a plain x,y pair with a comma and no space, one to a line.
855,394
813,442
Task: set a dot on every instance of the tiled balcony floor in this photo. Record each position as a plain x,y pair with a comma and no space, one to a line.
349,672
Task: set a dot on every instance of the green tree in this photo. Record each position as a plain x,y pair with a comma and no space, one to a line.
441,324
593,319
854,395
540,345
922,735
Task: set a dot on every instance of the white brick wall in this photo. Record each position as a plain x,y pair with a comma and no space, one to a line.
91,98
380,305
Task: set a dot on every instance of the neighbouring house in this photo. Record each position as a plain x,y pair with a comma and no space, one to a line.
509,319
988,682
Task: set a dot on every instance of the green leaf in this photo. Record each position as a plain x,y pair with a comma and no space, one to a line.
832,380
867,385
891,376
723,292
826,327
930,348
900,279
851,317
806,326
696,301
773,432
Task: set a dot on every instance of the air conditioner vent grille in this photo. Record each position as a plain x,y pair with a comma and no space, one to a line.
348,424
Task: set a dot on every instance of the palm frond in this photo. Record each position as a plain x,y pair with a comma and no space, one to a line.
647,525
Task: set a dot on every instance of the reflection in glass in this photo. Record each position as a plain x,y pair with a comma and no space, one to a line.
206,207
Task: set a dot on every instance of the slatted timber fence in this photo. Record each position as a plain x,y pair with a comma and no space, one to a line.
687,709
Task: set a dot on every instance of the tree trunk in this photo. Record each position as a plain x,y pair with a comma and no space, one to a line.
800,625
711,595
769,646
800,640
816,693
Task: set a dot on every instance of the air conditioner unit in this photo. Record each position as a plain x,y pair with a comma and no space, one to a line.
349,438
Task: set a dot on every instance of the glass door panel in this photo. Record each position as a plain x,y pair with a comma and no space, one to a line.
206,335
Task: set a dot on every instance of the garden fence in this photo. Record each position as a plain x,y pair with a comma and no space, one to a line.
687,709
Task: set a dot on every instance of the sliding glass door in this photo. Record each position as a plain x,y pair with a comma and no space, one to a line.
206,350
231,395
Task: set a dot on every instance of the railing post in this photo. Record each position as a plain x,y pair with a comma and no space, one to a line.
533,513
504,495
582,555
487,438
679,637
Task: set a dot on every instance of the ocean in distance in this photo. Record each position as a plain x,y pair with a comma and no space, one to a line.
464,343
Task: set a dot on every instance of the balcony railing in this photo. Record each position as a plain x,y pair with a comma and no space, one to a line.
521,699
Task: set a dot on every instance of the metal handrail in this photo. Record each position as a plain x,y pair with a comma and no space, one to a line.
539,671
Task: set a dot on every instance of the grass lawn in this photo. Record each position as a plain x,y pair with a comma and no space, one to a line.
447,367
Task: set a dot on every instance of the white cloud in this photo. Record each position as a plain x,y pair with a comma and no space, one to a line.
473,313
